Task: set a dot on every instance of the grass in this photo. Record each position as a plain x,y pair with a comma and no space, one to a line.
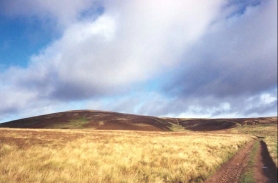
72,124
248,176
266,131
112,156
177,128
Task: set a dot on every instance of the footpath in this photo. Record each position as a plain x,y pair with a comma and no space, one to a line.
263,168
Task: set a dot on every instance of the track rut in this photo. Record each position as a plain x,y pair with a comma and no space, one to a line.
264,169
231,171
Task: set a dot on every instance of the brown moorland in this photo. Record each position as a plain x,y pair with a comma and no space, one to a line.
134,148
102,120
98,120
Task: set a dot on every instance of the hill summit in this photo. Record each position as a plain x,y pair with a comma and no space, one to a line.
103,120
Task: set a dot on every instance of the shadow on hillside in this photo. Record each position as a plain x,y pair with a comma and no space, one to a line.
207,125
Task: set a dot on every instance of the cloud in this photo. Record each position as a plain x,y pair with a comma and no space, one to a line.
156,104
61,13
238,58
127,43
233,69
219,51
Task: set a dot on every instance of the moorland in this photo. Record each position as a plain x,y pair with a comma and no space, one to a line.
99,146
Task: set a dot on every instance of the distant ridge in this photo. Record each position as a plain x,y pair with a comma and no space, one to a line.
99,120
104,120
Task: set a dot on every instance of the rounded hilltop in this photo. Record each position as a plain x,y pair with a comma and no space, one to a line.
104,120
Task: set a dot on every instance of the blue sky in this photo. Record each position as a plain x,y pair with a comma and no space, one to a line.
180,58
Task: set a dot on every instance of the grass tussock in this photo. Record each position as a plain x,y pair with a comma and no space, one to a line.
112,156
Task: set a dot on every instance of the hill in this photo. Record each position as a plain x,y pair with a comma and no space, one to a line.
99,120
102,120
224,123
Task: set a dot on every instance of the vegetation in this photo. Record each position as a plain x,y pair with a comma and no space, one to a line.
248,176
268,132
112,156
189,150
72,124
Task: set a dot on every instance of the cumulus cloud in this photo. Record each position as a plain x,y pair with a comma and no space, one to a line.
239,58
215,49
127,43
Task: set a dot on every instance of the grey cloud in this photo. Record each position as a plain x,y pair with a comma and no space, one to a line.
222,58
238,59
263,109
244,106
62,13
123,46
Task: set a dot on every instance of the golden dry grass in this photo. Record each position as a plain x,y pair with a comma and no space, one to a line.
112,156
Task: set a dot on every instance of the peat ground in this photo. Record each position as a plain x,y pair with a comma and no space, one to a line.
103,120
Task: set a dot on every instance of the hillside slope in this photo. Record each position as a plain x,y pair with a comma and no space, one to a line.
224,123
99,120
102,120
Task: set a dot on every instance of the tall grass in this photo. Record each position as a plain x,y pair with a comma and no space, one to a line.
112,156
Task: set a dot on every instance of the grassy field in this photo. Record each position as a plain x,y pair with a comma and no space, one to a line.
112,156
268,132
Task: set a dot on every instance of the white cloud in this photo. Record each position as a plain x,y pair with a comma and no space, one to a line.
267,98
129,43
99,55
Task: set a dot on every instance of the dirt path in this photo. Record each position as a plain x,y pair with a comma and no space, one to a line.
230,171
264,169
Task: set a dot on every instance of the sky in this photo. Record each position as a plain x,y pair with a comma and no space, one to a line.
179,58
